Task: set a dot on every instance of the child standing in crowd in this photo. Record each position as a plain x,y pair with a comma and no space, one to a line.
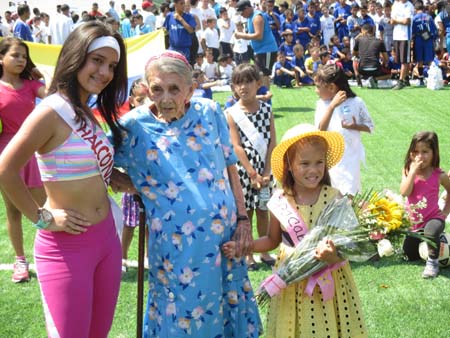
326,25
339,109
240,46
210,38
130,208
253,137
18,92
300,164
422,178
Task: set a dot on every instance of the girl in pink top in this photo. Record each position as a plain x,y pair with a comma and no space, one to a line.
422,178
18,92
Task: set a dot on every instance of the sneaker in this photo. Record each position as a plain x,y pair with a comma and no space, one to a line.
124,266
400,85
431,268
421,83
407,83
372,83
21,273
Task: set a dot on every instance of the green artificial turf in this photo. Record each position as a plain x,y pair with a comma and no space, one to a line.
396,301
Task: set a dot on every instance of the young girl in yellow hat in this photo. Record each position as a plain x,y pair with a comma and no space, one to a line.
300,163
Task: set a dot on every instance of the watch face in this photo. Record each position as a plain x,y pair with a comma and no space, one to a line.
47,216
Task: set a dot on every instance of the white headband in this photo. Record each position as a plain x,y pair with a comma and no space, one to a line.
105,41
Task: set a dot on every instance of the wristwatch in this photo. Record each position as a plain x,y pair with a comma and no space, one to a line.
242,218
45,219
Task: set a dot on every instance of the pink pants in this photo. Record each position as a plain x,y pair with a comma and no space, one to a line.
79,276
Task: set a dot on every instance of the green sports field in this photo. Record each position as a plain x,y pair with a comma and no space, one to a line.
397,302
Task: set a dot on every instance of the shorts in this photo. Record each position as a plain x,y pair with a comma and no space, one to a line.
403,49
375,72
30,171
265,62
130,210
423,51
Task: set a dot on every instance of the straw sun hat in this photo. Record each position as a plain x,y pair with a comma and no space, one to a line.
334,140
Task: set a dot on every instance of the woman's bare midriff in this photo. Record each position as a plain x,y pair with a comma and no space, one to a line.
87,196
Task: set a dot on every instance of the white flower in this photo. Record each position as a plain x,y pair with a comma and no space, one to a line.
217,227
163,143
186,276
385,248
204,175
188,228
172,190
197,312
156,224
170,309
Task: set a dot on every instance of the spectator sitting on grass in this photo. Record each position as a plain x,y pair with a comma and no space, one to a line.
201,87
284,73
312,62
298,62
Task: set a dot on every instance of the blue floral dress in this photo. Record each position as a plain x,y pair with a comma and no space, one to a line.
180,170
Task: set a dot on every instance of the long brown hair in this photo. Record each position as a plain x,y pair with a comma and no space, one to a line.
6,44
430,138
73,57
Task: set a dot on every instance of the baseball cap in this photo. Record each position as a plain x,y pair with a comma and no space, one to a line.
147,4
242,5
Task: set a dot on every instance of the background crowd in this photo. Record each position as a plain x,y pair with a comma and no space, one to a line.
398,39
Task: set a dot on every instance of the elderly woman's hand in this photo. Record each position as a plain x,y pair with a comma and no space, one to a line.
243,238
121,182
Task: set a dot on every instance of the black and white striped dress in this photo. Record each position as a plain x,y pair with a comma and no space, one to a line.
261,121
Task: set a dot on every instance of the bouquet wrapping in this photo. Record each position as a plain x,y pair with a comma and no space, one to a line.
360,229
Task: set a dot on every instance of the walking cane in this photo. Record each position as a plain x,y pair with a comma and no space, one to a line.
141,258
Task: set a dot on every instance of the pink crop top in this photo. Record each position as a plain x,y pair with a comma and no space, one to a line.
75,158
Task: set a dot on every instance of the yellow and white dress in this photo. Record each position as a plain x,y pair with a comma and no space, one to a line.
294,314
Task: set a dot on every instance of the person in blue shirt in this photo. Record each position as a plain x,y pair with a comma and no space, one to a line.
366,19
274,19
314,20
302,28
288,22
298,63
141,27
287,47
21,30
424,32
341,13
180,26
284,73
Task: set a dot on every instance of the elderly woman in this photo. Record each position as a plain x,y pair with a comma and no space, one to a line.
178,154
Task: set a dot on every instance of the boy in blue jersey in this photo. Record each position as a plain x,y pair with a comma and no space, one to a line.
424,32
287,47
298,63
284,74
180,26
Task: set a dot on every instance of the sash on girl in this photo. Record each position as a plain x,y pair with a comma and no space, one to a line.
102,148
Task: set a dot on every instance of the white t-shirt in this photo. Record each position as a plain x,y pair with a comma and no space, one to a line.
327,28
211,37
60,27
210,70
402,10
239,45
207,14
226,33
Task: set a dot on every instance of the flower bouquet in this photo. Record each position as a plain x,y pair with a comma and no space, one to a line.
360,229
